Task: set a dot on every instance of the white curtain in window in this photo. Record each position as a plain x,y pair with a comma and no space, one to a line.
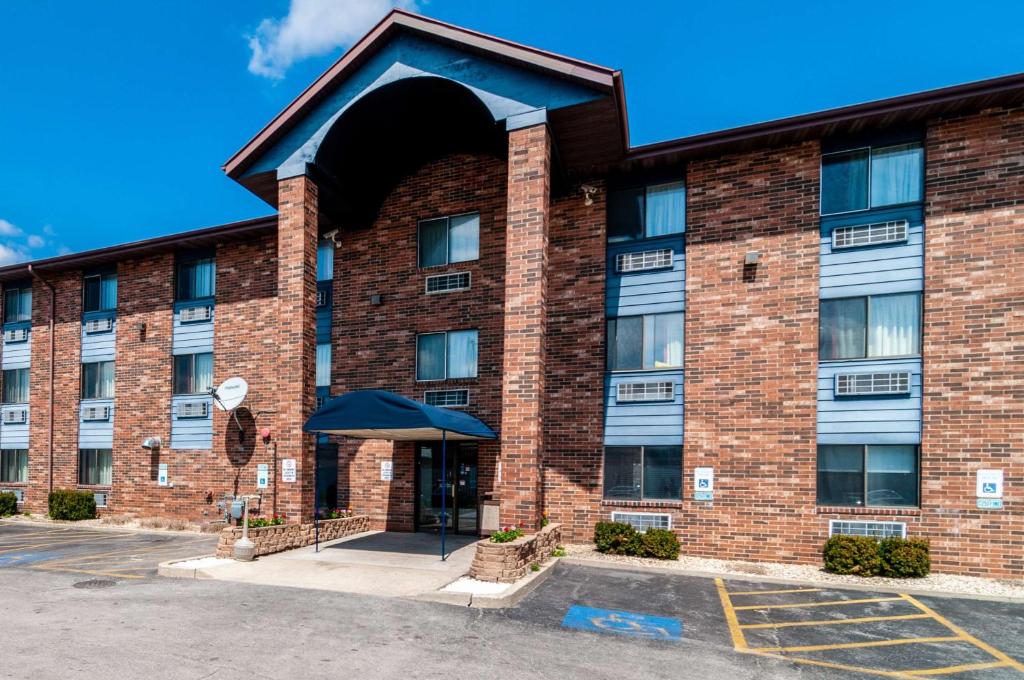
462,354
663,340
901,459
464,238
895,325
108,292
203,379
323,365
202,278
106,378
666,209
325,261
105,464
896,174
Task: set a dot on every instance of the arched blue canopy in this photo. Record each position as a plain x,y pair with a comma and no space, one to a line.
378,414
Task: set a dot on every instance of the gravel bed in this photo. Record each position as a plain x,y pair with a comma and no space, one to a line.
939,583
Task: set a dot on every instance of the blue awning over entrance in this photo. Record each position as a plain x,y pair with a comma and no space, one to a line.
377,414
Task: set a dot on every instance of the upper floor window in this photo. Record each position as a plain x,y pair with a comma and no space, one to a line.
15,390
100,292
325,260
193,373
645,342
449,239
196,278
870,327
13,466
440,356
871,177
638,473
18,302
645,212
323,364
98,380
867,475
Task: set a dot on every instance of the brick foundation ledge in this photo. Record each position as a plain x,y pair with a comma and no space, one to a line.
274,539
509,562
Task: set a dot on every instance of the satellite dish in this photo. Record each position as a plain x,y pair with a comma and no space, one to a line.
230,394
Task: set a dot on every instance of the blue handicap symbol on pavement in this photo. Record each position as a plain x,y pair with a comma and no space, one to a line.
623,623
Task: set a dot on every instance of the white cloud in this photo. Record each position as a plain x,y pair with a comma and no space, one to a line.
312,28
8,229
10,254
17,246
35,241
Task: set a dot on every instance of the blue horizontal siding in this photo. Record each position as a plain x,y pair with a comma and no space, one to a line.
17,354
869,420
873,270
191,433
96,434
651,292
192,338
15,436
99,346
650,423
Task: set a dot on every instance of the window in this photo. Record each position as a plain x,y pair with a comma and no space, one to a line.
323,364
865,178
440,356
18,302
13,465
645,342
325,260
867,475
100,292
15,389
196,278
94,467
870,327
637,473
646,212
449,239
193,373
98,380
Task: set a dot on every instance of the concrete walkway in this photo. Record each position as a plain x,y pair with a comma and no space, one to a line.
373,563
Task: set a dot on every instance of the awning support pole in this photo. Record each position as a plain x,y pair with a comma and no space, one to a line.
444,488
316,497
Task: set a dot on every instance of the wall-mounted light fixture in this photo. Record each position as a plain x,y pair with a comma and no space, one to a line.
751,258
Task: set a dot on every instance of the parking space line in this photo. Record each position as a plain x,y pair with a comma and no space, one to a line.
829,603
859,645
836,622
739,641
838,666
949,670
776,592
91,572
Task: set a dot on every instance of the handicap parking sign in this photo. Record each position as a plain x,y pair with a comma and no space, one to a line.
990,484
623,623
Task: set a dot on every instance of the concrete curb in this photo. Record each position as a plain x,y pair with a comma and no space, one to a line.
827,585
108,529
169,570
509,598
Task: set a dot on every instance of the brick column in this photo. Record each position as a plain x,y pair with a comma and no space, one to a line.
522,390
296,341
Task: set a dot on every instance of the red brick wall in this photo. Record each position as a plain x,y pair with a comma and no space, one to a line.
375,345
973,342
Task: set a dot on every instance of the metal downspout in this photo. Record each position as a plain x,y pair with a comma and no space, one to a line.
53,310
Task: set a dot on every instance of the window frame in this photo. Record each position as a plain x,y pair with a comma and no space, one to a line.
867,328
447,371
865,471
83,478
447,240
611,344
26,383
644,236
21,455
643,473
192,373
102,276
20,287
99,373
192,259
871,150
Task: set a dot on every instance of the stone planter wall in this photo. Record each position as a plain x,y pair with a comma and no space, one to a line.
509,562
288,536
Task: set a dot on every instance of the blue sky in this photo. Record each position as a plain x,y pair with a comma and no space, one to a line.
115,117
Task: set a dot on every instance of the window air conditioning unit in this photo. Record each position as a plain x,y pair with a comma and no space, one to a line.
448,283
95,413
872,384
18,493
321,298
643,261
193,409
642,521
99,325
16,335
446,398
15,416
194,314
875,234
842,527
101,498
644,391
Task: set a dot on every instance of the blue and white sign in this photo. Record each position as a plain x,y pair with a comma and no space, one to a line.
990,503
161,474
623,623
990,484
703,483
262,476
703,496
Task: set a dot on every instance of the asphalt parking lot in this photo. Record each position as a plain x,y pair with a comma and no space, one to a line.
830,633
106,553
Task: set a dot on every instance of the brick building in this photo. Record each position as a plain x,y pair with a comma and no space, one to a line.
825,311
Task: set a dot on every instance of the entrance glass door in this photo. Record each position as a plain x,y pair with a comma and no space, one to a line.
460,488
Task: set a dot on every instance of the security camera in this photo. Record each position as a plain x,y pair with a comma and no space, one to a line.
588,193
332,236
152,443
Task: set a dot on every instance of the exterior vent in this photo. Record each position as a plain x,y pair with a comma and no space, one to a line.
643,261
18,493
447,283
16,335
193,409
15,416
642,521
95,413
842,527
872,384
194,314
446,398
99,325
101,499
644,391
321,297
874,234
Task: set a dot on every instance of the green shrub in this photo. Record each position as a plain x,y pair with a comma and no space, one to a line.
8,504
72,505
904,557
660,543
852,555
616,538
